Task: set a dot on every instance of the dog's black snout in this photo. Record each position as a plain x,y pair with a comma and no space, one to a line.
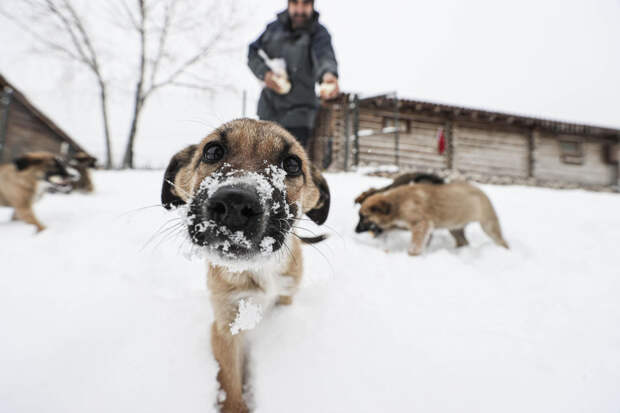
238,209
361,227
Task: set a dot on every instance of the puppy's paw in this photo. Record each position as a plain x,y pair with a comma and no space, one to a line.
414,251
284,300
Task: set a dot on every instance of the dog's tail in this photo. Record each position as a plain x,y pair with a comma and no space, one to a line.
314,240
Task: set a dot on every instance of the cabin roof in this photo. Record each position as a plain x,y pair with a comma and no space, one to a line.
387,102
20,97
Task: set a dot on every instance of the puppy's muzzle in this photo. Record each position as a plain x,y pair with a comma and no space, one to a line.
365,225
236,208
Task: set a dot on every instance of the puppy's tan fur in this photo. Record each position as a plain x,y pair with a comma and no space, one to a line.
422,208
250,145
19,189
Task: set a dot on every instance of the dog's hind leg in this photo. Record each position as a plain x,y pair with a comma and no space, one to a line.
229,353
459,237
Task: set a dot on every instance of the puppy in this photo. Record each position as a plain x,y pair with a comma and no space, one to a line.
422,208
242,190
24,181
83,162
404,179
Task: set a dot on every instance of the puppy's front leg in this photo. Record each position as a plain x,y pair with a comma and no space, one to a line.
228,351
420,232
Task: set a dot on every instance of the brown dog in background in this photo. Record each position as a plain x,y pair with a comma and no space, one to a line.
23,182
243,190
421,208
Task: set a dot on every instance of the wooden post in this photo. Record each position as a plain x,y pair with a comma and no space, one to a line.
449,131
396,130
356,128
617,157
5,103
345,107
244,102
531,152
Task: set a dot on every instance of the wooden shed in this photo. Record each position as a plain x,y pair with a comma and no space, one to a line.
24,128
476,144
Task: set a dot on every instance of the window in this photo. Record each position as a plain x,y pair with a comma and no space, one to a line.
388,125
611,153
571,152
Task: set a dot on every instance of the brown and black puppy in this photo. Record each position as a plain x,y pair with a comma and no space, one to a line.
422,208
242,189
27,178
83,163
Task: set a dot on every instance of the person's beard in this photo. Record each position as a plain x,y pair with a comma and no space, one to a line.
300,21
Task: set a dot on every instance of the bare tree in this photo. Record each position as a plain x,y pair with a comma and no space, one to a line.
176,38
171,43
56,25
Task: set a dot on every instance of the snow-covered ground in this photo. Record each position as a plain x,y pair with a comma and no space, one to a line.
96,316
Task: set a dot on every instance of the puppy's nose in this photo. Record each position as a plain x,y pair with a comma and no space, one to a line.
238,209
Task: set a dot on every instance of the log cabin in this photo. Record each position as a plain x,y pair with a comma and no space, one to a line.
24,128
460,142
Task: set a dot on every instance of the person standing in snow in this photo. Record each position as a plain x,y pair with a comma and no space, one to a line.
297,39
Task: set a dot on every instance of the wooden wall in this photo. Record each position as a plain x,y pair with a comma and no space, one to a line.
26,133
417,140
548,165
472,148
491,151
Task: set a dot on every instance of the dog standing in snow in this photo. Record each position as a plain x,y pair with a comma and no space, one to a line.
242,189
24,181
423,207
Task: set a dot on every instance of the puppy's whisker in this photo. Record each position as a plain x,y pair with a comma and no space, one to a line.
331,266
290,253
332,229
164,236
132,211
179,188
163,228
172,234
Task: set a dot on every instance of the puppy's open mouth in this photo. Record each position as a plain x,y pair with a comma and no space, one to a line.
240,215
59,183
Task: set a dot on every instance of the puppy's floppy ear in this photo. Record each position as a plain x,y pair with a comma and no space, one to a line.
319,212
381,207
169,197
24,162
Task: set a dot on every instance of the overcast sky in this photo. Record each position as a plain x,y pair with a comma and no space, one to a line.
546,58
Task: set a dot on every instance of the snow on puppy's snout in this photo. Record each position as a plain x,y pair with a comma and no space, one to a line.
240,214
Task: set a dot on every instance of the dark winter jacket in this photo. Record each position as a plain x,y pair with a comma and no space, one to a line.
308,54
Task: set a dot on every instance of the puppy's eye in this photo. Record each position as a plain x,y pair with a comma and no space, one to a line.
292,165
213,152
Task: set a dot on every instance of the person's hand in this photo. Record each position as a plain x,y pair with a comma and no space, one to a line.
270,82
278,83
329,88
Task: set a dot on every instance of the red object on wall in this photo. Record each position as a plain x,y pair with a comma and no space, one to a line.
441,142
